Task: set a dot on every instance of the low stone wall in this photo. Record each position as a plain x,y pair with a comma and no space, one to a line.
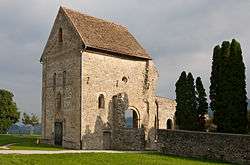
216,146
128,139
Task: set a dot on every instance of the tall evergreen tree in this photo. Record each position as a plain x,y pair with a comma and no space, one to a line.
238,98
214,76
228,88
191,104
186,113
202,103
180,99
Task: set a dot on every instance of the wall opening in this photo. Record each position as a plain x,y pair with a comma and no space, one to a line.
64,78
101,101
58,101
131,118
54,80
106,140
125,79
169,124
60,35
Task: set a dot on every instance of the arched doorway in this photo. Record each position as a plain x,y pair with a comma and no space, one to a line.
169,124
132,118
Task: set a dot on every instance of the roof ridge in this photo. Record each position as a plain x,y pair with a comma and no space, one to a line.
108,35
101,19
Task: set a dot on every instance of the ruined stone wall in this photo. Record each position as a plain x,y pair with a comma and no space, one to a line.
215,146
123,138
167,108
57,58
128,139
102,74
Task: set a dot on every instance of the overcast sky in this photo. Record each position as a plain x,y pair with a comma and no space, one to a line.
179,35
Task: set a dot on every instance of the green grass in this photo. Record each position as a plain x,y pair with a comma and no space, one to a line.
25,142
101,159
28,142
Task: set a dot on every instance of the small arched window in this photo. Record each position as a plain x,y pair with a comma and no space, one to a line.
54,80
60,35
58,101
64,78
101,101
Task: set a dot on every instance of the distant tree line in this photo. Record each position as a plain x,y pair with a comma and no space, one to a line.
30,119
227,93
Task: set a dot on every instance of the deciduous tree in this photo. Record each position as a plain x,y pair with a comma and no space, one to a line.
8,110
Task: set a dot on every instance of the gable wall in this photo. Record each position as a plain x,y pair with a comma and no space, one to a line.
166,111
59,57
102,74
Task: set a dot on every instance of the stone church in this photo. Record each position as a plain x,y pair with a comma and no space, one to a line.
98,87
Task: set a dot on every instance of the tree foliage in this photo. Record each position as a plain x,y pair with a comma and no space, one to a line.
32,119
8,110
186,113
202,105
180,99
228,88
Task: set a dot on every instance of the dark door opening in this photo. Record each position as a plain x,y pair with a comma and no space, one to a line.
106,140
58,133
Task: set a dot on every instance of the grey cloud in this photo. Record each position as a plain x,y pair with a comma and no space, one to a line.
179,34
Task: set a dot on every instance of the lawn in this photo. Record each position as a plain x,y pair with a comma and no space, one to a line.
25,142
101,159
28,142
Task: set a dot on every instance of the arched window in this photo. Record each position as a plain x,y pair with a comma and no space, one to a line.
58,101
64,78
54,80
169,124
101,101
131,118
60,35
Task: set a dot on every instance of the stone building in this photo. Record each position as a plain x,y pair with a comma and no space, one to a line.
98,87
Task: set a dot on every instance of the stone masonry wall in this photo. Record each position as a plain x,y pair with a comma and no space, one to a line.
128,139
102,74
215,146
124,138
167,108
57,58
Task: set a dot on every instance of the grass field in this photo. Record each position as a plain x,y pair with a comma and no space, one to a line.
25,142
28,142
100,159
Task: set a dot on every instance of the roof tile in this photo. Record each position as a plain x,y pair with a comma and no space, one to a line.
105,35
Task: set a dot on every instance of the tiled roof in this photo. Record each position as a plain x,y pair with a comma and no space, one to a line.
104,35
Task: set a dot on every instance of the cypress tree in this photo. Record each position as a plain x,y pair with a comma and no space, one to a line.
221,89
186,110
214,76
202,103
191,104
237,107
228,88
180,100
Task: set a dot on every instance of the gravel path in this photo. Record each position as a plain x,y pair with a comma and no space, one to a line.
28,152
